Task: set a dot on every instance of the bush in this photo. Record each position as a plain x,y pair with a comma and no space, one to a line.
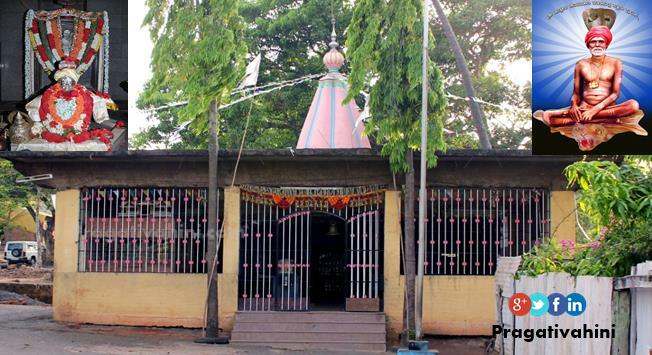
617,198
613,254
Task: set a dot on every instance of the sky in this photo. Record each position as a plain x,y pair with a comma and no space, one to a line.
140,49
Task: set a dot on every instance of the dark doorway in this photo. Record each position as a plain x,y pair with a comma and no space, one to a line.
328,265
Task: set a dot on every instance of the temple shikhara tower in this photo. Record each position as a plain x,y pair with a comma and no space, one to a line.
331,124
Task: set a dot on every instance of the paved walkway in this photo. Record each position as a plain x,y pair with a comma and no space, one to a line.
31,330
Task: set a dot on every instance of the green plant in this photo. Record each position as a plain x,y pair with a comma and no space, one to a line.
620,248
612,194
549,256
617,201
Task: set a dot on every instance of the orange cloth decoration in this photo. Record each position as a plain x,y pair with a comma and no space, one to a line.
282,201
338,202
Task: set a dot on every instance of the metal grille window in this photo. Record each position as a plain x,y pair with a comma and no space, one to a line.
302,253
159,230
468,228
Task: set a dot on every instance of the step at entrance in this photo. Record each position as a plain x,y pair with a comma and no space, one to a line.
311,330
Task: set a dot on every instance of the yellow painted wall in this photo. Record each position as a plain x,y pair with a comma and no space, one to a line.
562,215
228,289
131,299
453,305
135,299
22,219
458,305
394,283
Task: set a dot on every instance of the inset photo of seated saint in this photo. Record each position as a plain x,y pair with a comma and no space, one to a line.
605,93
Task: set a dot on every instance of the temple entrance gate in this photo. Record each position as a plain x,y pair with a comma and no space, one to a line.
304,249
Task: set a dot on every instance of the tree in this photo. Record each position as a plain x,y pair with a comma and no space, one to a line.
14,196
476,112
198,57
198,54
488,32
384,43
292,36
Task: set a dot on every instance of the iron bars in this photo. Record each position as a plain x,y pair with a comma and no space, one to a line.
281,234
468,228
155,230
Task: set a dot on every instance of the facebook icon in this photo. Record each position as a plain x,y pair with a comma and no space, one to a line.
557,304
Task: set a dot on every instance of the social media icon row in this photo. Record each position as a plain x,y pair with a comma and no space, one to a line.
538,304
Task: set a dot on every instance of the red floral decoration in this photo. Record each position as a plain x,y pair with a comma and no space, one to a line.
84,104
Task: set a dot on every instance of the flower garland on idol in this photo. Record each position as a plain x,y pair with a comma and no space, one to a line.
44,31
67,116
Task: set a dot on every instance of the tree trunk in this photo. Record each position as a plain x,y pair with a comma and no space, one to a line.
48,237
39,241
212,322
31,212
409,246
476,112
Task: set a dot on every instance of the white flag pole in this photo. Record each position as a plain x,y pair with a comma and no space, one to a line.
422,176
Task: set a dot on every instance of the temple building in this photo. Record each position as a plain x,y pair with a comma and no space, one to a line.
310,247
330,123
307,237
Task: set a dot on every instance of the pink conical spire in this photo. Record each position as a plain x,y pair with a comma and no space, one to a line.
330,123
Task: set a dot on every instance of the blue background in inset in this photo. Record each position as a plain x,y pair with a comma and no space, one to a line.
558,43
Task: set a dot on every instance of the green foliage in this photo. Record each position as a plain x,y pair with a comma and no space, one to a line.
12,195
385,44
612,194
487,31
549,256
612,254
292,36
198,55
618,201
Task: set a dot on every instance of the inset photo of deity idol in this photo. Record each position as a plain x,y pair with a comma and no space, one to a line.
67,87
591,77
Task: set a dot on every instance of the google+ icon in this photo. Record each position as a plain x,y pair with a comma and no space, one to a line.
538,304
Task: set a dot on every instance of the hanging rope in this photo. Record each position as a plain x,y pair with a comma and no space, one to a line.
244,134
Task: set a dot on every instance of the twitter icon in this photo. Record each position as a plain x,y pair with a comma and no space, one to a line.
539,304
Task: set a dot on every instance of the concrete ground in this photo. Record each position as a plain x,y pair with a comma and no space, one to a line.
31,330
